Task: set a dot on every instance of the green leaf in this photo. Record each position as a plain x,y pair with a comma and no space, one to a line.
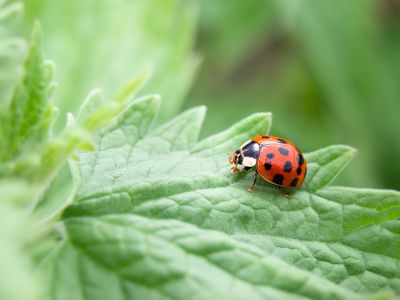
30,150
139,258
95,111
132,87
91,103
347,237
28,113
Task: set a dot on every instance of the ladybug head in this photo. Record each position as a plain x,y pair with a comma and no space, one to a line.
236,157
246,155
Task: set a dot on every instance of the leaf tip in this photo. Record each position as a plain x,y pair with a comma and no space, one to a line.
96,93
197,112
37,31
350,151
354,151
201,109
264,119
48,69
133,86
71,122
152,100
327,164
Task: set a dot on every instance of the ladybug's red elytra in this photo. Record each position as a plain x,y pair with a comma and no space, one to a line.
277,160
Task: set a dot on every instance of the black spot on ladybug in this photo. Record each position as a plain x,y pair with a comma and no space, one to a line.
294,182
300,159
281,141
240,159
270,155
265,137
287,167
298,171
278,179
267,166
283,151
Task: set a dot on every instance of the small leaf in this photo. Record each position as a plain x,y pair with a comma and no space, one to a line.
93,101
132,87
27,107
96,112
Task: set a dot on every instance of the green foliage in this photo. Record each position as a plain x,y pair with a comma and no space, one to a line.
151,259
102,43
140,180
28,150
154,213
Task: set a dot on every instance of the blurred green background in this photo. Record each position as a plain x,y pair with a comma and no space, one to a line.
328,70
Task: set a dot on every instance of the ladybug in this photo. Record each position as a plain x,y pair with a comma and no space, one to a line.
276,160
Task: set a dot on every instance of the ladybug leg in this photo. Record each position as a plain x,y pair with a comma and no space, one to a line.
284,192
233,160
251,186
234,169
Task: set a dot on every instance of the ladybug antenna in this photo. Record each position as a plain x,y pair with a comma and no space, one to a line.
230,152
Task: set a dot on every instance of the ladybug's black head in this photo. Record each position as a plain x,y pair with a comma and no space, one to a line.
246,155
236,158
